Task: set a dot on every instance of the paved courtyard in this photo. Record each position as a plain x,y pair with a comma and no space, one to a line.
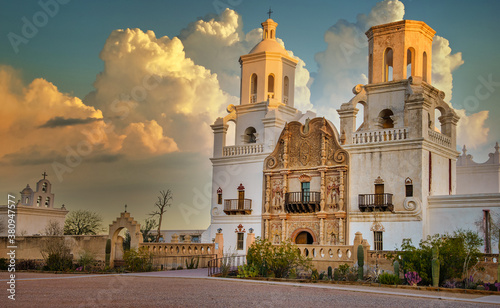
188,289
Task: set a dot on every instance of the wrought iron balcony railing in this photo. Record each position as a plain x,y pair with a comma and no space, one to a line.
302,202
371,202
237,206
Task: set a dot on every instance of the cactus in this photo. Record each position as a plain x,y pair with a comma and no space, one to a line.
330,273
336,274
361,261
396,268
435,267
108,251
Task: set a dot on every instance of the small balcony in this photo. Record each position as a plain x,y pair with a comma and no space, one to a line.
238,206
379,202
302,202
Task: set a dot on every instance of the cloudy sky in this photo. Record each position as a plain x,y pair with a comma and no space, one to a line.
114,99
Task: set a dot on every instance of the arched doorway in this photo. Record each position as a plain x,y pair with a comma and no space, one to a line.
123,222
304,237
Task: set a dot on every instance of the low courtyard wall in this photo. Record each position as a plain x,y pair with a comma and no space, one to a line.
29,247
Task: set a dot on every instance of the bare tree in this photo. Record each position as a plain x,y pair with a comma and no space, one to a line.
53,228
83,222
164,201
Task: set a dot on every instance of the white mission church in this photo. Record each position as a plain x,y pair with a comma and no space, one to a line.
294,176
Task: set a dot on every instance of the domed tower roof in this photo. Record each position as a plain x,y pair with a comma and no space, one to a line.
27,190
269,43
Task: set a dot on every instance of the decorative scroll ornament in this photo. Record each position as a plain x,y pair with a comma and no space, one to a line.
379,180
304,178
377,226
239,229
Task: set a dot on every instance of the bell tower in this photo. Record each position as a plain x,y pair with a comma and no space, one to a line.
399,50
268,72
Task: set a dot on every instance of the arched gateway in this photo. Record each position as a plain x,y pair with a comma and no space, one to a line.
124,221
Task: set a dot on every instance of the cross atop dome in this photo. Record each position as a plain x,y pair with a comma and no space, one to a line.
44,174
270,12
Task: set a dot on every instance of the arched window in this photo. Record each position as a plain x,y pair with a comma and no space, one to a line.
250,135
231,133
265,34
253,88
424,67
270,83
408,187
285,89
27,200
410,62
437,123
47,202
272,33
44,187
388,66
385,118
38,200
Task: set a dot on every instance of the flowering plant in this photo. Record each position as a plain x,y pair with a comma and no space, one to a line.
412,278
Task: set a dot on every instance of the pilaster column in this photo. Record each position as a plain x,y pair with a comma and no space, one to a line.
341,231
341,191
285,190
322,191
268,193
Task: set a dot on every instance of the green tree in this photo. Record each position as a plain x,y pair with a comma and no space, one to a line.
83,222
149,224
278,259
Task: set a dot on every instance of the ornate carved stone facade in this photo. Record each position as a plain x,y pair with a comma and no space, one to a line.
306,182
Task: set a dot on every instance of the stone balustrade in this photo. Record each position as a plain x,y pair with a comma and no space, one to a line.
439,138
383,135
239,150
340,253
179,249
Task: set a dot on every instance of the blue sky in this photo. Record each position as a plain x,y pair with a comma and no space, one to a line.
66,53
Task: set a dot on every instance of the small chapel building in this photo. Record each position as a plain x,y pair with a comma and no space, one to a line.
35,210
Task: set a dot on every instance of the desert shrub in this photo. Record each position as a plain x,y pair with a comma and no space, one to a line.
278,260
140,260
245,271
57,254
386,278
458,255
86,260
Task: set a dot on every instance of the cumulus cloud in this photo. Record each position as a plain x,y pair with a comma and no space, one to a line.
149,86
471,129
38,119
443,65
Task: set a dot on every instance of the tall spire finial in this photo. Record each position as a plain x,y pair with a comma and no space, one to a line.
269,12
497,148
44,174
125,208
